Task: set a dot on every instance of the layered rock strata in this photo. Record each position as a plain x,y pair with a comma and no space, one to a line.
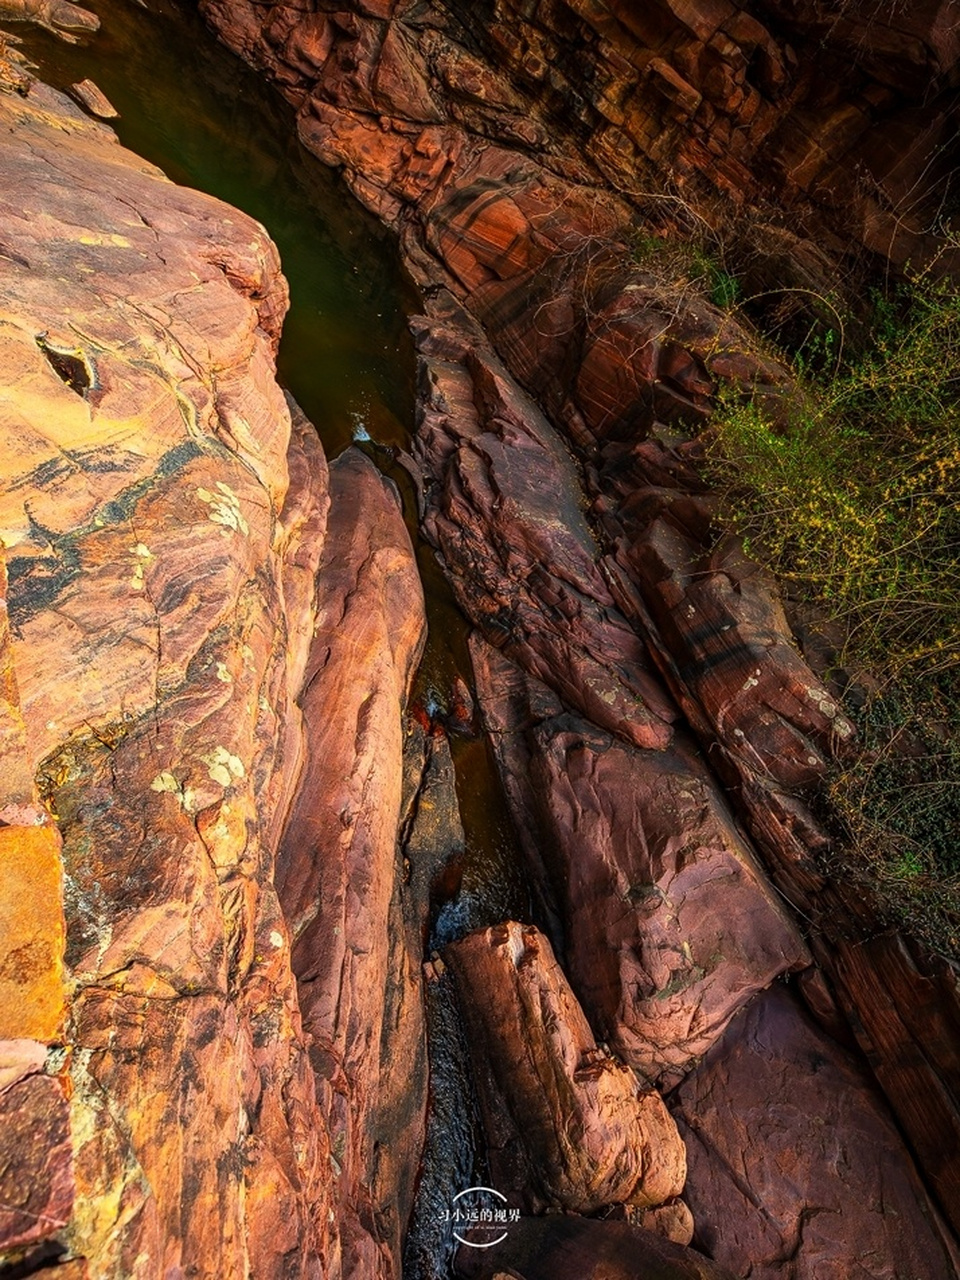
189,620
163,712
514,196
837,111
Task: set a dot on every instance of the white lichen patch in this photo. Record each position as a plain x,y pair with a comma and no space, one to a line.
276,938
827,707
223,673
166,782
224,508
142,556
223,767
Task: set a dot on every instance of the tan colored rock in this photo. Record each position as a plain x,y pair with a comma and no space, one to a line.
18,796
31,926
60,16
562,1115
150,547
672,1220
94,99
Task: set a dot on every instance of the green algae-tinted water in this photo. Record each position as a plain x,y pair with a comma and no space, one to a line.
190,106
187,104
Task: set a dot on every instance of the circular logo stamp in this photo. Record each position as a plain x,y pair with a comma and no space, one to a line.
480,1217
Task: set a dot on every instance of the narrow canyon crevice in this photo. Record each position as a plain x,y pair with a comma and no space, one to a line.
238,873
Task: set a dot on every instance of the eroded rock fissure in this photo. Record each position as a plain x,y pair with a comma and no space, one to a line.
259,844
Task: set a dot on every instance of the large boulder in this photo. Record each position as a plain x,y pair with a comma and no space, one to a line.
796,1167
567,1123
668,924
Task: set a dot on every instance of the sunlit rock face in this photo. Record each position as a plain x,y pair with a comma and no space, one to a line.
162,524
211,639
516,148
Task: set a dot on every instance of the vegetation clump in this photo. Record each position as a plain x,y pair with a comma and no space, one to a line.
853,499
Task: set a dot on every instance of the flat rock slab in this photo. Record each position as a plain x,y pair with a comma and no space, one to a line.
796,1168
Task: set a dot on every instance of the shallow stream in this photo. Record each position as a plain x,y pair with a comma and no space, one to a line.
210,122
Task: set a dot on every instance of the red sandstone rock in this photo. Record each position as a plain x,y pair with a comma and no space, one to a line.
669,925
796,1168
94,99
788,109
567,1124
904,1008
337,865
36,1162
148,563
720,619
571,1248
790,102
503,512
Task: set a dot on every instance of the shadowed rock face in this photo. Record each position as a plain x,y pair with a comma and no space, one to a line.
502,506
795,1166
572,1248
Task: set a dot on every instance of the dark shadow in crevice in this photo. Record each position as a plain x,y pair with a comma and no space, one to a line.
68,366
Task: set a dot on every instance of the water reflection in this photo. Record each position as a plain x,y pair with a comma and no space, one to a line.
210,122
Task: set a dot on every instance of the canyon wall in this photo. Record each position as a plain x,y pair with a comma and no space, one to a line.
180,659
210,798
636,673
